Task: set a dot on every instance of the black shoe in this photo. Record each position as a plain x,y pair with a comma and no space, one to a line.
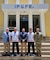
38,55
4,54
21,54
12,55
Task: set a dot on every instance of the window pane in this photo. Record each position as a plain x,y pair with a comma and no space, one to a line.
12,21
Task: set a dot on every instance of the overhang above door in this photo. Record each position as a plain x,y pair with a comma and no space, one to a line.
24,7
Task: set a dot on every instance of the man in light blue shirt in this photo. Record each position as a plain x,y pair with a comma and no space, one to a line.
6,40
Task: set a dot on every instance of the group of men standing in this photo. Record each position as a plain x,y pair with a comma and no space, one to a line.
15,37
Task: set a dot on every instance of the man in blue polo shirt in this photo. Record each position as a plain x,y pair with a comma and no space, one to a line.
23,39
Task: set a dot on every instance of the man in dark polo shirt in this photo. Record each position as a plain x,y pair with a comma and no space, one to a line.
23,39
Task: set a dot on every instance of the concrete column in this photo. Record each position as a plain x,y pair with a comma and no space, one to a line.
18,21
5,20
42,23
17,1
41,1
29,1
6,1
30,20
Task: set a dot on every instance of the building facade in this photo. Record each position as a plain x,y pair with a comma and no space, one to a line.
25,14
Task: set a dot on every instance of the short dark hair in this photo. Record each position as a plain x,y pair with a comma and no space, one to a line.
37,27
30,28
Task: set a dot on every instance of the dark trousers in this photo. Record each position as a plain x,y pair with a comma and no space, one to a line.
30,44
13,47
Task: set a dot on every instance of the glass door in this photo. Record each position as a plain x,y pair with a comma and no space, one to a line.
24,22
36,22
11,21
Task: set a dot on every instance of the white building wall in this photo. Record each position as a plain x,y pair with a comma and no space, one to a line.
5,20
42,23
29,1
17,1
30,20
18,20
6,1
41,1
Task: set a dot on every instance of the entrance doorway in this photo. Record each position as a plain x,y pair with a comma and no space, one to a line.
24,22
36,22
11,21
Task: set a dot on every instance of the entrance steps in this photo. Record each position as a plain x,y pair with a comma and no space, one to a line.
45,48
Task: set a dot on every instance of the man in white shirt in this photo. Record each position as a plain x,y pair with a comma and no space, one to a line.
30,41
15,40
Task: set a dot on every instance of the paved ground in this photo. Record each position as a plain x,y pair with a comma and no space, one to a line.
23,58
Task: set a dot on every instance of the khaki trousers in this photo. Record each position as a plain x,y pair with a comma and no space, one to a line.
38,48
7,47
23,44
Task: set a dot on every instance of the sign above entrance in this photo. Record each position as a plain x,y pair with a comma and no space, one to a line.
30,6
25,6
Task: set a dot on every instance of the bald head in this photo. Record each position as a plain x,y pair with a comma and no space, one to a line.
15,29
7,29
23,29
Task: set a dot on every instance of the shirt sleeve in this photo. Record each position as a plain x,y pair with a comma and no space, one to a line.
20,36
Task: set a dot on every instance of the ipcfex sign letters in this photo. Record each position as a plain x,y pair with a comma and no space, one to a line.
24,6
